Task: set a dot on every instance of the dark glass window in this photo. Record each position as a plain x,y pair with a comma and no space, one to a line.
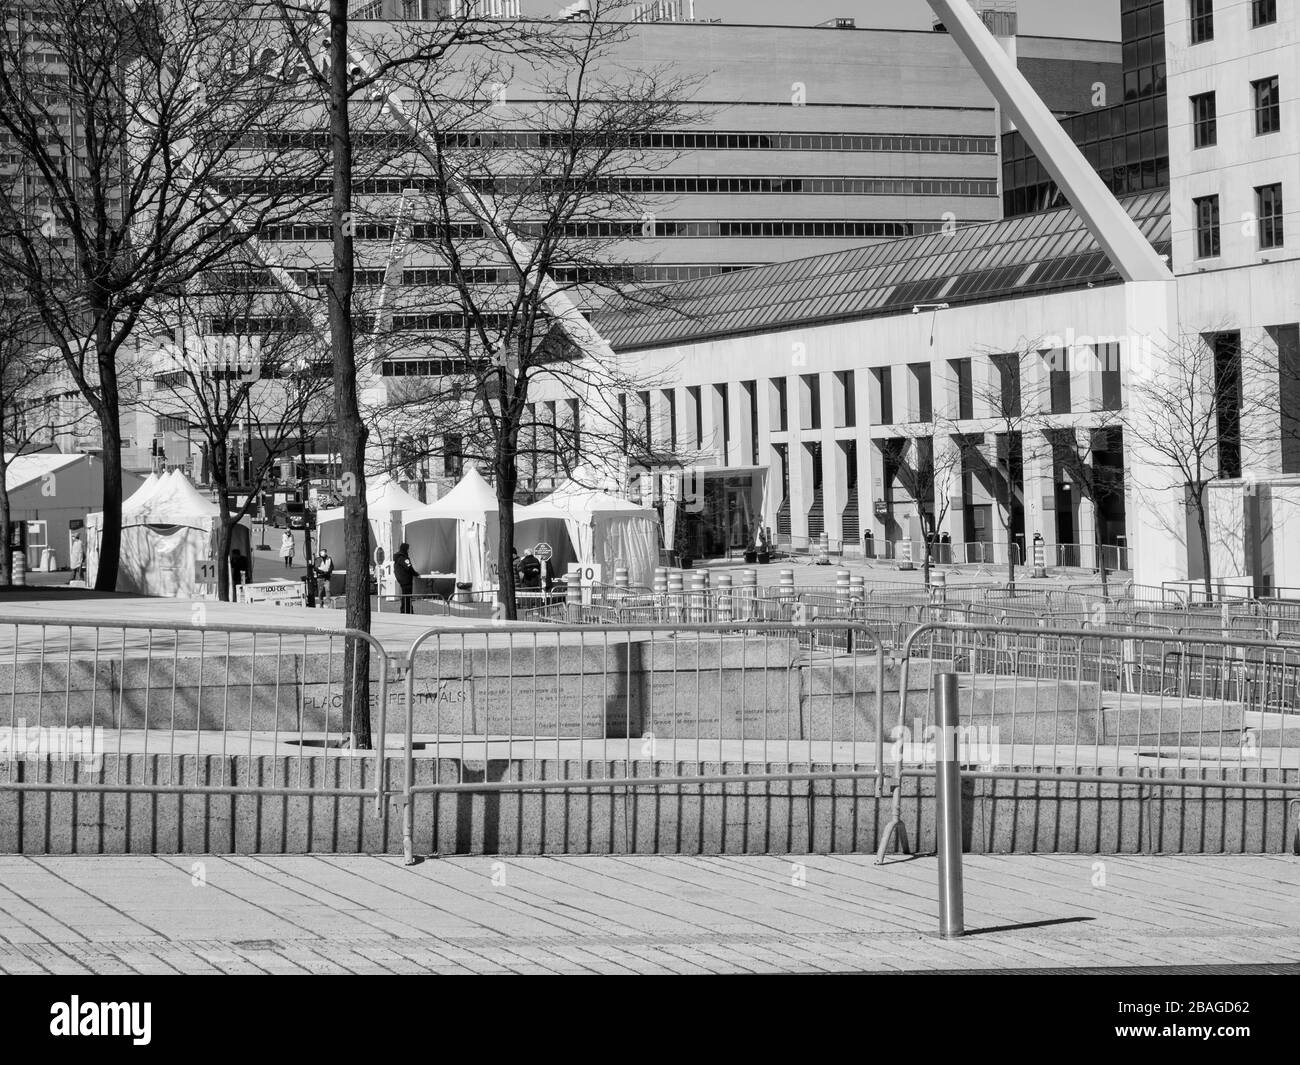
1202,14
1263,12
1268,208
1268,106
1207,226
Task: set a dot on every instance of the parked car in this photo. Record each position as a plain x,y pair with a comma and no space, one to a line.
293,516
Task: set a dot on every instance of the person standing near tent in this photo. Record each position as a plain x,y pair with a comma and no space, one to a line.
286,548
324,567
78,558
404,574
530,572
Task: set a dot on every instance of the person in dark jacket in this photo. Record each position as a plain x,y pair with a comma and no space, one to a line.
530,572
404,574
240,570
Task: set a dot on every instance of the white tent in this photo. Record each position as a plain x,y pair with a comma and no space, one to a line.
598,528
386,502
143,492
163,537
458,533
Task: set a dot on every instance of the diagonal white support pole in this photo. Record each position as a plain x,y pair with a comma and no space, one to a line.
1108,222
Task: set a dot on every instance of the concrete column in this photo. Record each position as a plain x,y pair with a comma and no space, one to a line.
801,488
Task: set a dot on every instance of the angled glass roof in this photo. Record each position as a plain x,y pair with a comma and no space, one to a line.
989,261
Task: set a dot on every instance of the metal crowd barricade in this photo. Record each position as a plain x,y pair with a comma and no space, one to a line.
94,699
639,706
1097,706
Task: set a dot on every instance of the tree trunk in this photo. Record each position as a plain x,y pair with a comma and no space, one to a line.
306,525
347,412
110,542
927,529
507,479
1101,553
1198,501
220,472
6,569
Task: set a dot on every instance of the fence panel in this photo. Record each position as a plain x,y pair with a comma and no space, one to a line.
623,705
135,706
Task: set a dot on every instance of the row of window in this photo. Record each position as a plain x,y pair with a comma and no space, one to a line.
1266,99
677,141
629,229
1268,215
644,185
1201,13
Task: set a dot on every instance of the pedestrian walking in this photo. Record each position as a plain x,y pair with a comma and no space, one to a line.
287,548
404,574
78,559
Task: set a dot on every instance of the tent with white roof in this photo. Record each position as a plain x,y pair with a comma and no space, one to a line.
459,533
386,502
587,526
164,533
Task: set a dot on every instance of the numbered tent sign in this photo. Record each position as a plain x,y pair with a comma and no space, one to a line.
590,573
205,571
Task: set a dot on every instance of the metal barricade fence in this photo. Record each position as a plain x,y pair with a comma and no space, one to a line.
639,706
1138,709
102,706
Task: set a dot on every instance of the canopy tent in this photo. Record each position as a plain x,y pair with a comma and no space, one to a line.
162,538
586,526
143,492
459,533
386,502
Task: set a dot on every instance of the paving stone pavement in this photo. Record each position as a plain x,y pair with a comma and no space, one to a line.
637,914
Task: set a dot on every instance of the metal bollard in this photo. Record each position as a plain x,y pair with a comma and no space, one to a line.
947,808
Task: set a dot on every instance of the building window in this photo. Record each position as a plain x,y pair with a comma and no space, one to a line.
1263,12
1287,338
1268,106
1268,208
1202,12
1108,358
1205,123
782,405
1060,381
965,389
453,456
1227,389
1207,226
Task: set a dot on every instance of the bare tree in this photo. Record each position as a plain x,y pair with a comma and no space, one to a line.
925,461
534,232
130,122
236,361
1012,408
1185,410
1083,455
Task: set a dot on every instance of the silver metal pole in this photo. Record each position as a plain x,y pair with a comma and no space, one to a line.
947,808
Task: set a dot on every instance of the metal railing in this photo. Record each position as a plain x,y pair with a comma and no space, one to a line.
136,706
708,703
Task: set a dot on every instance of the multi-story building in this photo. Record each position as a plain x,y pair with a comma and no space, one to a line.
794,407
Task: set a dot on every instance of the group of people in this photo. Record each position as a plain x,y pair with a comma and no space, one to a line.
532,574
